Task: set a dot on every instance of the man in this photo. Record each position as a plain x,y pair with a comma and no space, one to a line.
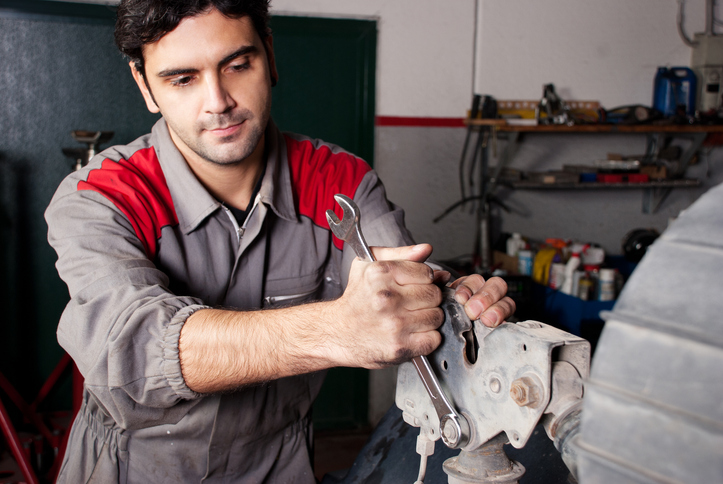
217,209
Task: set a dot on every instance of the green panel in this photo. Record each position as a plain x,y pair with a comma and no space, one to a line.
58,11
326,80
343,401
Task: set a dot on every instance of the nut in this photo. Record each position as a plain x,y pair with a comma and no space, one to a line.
525,392
450,431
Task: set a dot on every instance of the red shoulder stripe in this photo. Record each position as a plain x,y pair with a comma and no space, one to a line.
138,188
317,175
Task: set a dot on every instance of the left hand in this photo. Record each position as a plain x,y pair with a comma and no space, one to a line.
484,300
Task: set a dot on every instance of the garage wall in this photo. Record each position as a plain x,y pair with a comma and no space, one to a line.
431,60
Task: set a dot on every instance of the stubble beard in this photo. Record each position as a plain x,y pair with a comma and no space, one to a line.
231,150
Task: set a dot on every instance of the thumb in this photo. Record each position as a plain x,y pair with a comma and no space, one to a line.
414,253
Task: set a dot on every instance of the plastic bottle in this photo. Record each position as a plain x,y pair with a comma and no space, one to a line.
570,269
606,285
585,287
593,256
674,87
515,244
662,92
685,88
557,275
524,265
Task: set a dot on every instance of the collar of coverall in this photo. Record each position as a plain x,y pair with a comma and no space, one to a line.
192,201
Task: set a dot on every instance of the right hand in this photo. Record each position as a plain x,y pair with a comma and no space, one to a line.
389,312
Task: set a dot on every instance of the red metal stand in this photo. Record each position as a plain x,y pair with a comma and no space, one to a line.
58,439
16,448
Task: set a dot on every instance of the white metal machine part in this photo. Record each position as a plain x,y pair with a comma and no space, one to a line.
501,381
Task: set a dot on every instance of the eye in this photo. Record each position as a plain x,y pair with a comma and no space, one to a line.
182,81
240,67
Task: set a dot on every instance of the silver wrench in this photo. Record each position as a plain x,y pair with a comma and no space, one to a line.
453,427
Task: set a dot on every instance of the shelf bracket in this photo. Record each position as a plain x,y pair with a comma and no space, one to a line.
653,198
696,141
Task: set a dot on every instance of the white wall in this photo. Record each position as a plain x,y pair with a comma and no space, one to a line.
590,49
424,53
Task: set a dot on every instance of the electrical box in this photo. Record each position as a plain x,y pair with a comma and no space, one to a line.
707,63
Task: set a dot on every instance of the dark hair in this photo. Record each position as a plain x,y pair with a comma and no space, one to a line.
143,22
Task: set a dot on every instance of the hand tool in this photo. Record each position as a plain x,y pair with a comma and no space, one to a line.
453,427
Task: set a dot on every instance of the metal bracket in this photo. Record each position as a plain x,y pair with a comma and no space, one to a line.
505,386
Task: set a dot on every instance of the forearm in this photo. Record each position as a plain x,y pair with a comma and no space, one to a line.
222,350
388,313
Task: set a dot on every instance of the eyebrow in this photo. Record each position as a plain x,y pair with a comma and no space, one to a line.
248,49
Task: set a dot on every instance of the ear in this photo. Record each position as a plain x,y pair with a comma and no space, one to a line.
269,44
140,81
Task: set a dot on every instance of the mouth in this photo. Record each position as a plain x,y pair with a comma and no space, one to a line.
226,131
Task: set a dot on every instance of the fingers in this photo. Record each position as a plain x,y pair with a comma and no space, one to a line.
419,344
442,277
416,296
484,300
415,253
402,299
498,312
401,271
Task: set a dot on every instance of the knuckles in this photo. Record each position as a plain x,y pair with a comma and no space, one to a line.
501,283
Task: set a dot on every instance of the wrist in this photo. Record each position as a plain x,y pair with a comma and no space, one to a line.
332,347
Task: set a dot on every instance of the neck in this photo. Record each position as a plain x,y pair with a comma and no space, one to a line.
230,184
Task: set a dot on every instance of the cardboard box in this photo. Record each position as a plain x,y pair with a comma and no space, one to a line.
553,177
503,261
654,172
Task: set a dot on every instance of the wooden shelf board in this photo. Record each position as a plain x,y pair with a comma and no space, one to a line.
501,125
685,183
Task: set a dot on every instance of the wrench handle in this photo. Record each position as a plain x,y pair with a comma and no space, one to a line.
360,246
453,427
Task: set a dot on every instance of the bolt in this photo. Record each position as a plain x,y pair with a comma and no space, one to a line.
450,431
525,392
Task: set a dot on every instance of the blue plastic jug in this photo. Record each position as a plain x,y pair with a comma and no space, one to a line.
674,87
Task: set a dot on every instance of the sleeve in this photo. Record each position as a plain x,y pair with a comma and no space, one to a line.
122,324
382,222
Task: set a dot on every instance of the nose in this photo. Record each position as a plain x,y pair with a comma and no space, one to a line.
218,99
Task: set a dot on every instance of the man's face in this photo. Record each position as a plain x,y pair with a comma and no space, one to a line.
210,78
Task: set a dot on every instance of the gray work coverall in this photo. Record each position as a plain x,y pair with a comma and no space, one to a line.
142,245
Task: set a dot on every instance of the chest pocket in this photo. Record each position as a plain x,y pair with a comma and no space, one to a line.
293,291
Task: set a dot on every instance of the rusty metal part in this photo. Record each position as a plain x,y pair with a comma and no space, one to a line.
481,390
526,391
487,464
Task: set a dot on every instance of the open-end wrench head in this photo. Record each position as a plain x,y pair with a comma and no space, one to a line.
333,220
343,228
347,229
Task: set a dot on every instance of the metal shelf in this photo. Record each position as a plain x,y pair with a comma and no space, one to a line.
654,193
